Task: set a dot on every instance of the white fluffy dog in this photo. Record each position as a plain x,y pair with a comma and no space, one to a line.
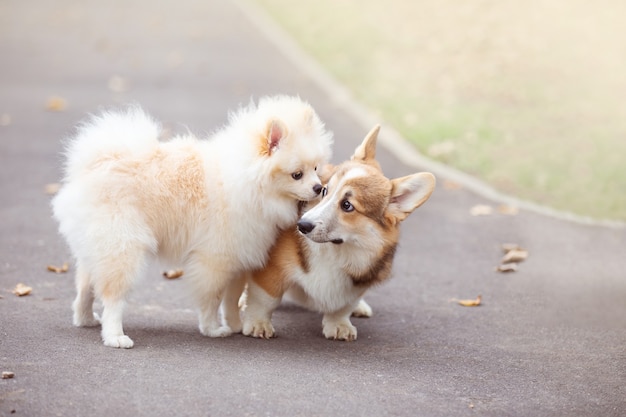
213,206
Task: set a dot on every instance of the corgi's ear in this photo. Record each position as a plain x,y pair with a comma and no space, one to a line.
366,151
325,172
276,131
410,192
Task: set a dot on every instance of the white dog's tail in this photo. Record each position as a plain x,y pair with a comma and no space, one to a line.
131,132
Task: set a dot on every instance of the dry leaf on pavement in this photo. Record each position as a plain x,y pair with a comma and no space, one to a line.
56,104
21,290
481,210
508,210
451,185
507,247
515,255
52,188
470,303
59,269
118,84
5,119
7,375
510,267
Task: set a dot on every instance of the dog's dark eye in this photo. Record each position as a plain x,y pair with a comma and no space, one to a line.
324,191
347,206
316,168
296,175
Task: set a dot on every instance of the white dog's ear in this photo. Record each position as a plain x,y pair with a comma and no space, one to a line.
366,151
276,131
410,192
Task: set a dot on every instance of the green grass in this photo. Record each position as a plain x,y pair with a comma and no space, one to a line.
528,97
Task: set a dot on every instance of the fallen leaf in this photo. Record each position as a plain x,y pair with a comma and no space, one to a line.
507,247
21,290
441,149
471,303
173,274
515,255
56,104
481,210
118,84
508,210
7,375
52,188
59,269
451,185
510,267
5,119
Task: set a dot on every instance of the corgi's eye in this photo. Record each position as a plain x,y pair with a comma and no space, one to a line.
347,206
324,191
316,168
296,175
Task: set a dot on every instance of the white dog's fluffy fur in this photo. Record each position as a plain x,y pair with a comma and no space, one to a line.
213,206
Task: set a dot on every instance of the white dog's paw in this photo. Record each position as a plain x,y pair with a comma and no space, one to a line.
221,331
342,330
235,327
122,341
82,320
362,310
234,323
259,328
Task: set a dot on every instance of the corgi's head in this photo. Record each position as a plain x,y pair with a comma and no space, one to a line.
360,206
295,145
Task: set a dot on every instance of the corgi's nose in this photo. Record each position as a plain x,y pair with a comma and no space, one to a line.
317,188
305,227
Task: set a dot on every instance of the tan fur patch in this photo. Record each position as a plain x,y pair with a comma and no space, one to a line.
263,143
273,279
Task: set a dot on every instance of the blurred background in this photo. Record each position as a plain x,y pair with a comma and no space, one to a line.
528,96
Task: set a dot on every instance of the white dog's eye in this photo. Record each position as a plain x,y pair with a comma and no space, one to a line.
347,206
296,175
324,191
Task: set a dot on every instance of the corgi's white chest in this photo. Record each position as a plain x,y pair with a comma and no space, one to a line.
327,286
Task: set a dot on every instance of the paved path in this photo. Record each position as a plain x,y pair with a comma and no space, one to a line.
550,339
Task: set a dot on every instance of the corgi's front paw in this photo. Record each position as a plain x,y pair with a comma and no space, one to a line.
122,341
262,329
341,330
221,331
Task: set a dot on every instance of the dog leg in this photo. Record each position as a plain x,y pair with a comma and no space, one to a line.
209,317
83,303
257,317
113,279
230,304
112,330
362,310
337,325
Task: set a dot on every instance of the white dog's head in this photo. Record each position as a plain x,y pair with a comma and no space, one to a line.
295,145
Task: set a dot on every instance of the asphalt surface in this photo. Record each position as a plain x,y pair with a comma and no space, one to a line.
549,339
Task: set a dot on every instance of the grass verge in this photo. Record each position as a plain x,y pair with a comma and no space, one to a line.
529,98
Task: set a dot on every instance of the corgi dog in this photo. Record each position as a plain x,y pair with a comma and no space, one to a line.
344,244
213,207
